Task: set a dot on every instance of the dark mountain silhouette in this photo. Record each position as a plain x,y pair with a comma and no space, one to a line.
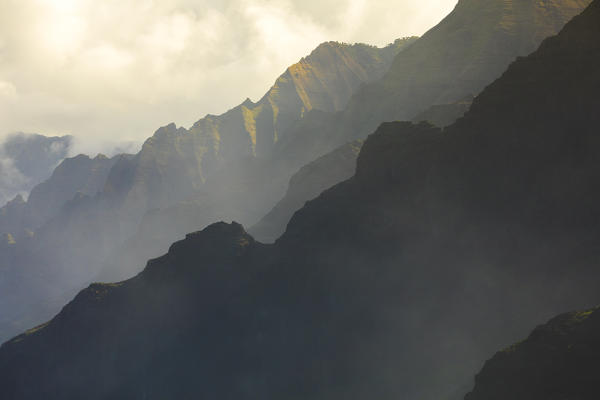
28,159
559,360
445,245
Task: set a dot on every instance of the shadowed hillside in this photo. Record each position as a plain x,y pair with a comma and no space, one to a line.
559,360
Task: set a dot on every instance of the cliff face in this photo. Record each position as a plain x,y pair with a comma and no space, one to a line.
559,360
457,58
396,283
175,163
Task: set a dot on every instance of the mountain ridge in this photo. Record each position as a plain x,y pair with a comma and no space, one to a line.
323,80
458,57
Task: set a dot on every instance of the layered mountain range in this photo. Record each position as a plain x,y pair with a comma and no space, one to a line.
396,283
237,166
249,187
90,208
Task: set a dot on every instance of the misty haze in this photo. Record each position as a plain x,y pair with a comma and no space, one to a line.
316,200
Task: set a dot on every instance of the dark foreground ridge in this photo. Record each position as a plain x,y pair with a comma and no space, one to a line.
397,283
559,360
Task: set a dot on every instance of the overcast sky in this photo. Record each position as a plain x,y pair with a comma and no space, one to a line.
116,70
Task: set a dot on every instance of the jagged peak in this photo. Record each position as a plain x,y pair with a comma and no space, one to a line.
165,131
332,44
248,102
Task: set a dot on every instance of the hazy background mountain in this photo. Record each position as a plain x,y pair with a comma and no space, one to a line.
28,159
77,175
397,283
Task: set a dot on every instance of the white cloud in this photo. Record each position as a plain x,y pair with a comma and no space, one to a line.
118,69
7,90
